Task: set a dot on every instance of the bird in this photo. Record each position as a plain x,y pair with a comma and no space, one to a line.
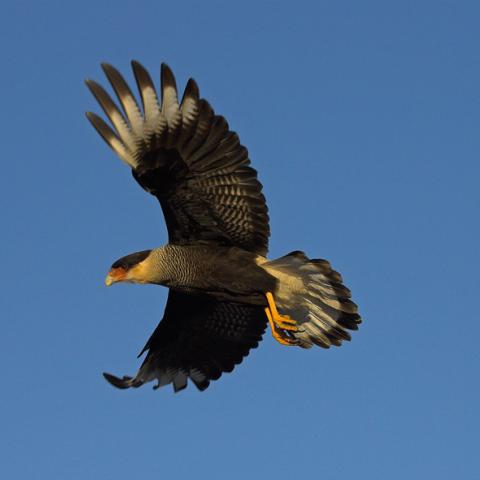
223,290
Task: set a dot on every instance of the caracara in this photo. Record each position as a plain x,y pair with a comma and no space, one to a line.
222,288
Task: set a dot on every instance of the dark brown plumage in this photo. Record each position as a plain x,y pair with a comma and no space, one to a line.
198,338
188,158
215,263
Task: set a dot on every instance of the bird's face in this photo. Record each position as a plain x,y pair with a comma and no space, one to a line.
133,268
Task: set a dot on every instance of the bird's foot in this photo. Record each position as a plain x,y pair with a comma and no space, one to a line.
281,335
282,325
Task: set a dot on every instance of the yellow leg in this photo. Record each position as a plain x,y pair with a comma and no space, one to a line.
281,325
282,321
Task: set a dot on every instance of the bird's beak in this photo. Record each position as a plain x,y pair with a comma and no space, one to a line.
115,275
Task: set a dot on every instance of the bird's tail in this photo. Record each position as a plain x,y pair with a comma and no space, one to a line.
312,293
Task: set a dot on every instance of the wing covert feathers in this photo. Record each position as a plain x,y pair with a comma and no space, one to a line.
187,157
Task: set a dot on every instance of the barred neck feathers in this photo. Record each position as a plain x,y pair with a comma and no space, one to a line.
172,265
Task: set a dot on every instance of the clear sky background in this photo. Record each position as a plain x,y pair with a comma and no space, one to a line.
363,121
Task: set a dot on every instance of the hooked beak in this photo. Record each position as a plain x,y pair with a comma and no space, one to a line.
115,275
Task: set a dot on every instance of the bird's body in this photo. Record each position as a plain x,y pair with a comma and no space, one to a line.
223,289
227,273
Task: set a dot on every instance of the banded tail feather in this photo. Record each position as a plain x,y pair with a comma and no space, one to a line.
313,294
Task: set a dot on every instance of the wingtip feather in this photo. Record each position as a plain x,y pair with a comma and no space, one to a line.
191,89
167,78
117,382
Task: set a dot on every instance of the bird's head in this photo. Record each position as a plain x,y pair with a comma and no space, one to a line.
133,268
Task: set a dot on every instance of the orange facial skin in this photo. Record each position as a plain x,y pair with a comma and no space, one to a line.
115,275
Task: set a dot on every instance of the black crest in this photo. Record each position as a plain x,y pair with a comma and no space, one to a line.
131,260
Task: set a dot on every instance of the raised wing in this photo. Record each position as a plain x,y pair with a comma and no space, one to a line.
188,158
199,338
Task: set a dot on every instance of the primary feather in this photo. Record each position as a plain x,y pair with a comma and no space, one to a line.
187,157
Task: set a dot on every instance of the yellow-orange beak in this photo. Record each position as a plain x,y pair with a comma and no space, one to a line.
115,275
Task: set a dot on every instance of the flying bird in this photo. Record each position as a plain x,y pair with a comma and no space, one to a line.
223,290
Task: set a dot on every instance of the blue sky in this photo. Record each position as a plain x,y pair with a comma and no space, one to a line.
363,121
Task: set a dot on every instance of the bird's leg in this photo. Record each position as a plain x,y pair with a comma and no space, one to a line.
281,325
282,321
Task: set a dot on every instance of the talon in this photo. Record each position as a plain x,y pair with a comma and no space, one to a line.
291,325
281,325
280,335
